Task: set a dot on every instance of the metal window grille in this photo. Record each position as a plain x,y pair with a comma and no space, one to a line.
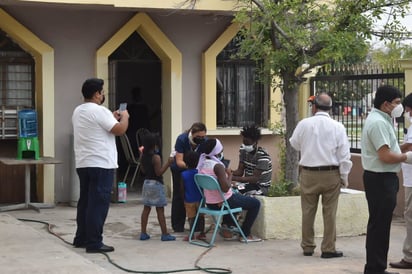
241,98
352,89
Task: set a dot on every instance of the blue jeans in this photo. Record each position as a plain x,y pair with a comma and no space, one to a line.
250,204
93,205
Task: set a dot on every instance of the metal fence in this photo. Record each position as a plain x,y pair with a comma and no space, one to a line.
352,89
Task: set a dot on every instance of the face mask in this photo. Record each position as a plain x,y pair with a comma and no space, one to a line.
408,117
198,140
248,148
397,111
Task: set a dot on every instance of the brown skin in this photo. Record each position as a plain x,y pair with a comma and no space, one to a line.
159,170
240,171
384,153
224,177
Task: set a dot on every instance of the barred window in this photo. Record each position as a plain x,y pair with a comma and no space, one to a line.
16,84
241,98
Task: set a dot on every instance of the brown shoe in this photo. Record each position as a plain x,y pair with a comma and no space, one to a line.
402,264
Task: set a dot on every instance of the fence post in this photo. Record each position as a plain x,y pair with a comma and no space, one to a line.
407,65
304,93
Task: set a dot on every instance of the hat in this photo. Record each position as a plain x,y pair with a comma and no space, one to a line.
311,98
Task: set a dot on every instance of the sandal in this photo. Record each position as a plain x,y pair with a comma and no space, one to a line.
201,236
144,236
168,237
250,239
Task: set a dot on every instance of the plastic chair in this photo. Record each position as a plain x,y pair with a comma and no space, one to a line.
207,182
130,158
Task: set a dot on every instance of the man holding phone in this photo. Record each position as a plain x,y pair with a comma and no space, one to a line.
95,128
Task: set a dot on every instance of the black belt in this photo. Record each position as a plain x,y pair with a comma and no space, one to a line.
320,168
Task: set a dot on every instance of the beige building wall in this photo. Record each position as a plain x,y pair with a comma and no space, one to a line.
71,44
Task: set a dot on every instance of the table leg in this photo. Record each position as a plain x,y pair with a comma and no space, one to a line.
27,184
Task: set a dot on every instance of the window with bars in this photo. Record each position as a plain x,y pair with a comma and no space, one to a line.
16,84
241,98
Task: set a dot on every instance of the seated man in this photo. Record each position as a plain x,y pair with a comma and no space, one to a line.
255,164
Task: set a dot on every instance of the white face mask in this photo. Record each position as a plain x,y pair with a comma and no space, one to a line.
408,117
246,148
397,111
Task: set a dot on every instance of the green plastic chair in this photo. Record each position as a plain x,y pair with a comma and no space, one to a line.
207,182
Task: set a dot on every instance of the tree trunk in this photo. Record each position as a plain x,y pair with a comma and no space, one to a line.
290,97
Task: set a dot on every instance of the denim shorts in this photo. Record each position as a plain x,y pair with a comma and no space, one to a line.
154,193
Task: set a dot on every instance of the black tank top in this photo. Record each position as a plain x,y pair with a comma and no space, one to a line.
148,168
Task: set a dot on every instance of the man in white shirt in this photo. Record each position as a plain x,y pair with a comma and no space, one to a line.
324,168
95,128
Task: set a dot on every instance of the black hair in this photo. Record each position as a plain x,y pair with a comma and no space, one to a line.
150,141
407,102
386,93
209,145
252,132
191,158
91,86
196,127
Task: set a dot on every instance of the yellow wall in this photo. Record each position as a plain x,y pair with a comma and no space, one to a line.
171,59
209,108
43,55
207,5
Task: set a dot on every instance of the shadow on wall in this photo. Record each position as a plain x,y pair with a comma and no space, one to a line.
356,182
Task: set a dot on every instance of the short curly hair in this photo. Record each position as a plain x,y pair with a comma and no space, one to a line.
252,132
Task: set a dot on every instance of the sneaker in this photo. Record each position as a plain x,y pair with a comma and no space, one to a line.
144,236
250,239
168,237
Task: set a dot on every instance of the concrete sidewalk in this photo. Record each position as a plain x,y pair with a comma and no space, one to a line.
29,248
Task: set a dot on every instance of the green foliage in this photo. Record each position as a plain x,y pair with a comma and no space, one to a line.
391,54
295,37
282,187
279,189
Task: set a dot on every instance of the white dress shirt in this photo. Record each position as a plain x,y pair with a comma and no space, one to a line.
322,141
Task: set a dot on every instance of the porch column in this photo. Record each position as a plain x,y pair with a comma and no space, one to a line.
407,65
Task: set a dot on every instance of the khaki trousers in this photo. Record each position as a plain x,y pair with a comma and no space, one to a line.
314,184
407,244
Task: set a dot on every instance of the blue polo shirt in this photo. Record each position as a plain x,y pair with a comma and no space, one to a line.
183,145
378,131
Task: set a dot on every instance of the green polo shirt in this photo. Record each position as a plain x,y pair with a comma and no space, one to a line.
378,131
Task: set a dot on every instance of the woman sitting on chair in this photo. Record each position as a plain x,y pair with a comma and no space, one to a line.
210,164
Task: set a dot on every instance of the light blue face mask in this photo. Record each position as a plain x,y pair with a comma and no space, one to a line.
247,148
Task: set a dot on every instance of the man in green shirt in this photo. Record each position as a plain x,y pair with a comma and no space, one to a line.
381,161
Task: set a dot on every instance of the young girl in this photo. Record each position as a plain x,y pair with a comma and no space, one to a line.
153,188
191,194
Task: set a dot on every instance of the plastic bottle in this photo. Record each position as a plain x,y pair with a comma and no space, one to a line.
27,123
122,192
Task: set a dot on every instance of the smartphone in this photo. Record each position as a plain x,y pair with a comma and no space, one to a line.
122,107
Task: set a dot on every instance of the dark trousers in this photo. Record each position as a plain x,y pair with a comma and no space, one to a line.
93,205
178,204
250,204
381,189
